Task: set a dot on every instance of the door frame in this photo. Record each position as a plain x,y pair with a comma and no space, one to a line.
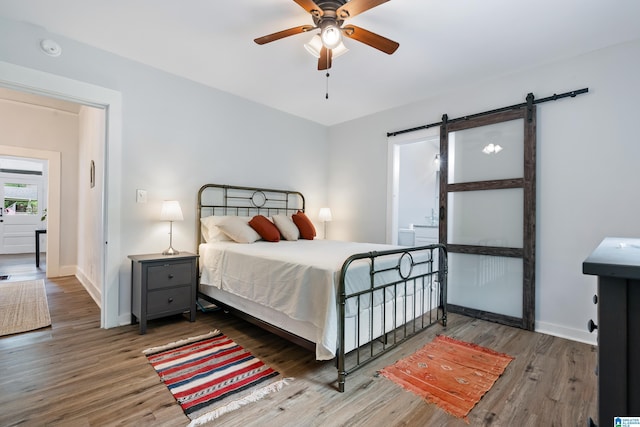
46,84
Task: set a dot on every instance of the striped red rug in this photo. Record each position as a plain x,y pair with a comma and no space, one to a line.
450,373
211,375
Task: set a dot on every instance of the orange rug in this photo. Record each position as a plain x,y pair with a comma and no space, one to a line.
450,373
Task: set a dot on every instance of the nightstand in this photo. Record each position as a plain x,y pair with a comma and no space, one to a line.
162,285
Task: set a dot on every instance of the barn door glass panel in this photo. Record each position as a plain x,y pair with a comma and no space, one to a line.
487,283
486,218
486,153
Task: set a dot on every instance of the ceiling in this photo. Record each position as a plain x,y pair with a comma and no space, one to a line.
443,44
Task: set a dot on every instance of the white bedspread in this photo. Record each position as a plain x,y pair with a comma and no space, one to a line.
298,278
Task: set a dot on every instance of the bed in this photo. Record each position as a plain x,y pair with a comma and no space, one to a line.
345,300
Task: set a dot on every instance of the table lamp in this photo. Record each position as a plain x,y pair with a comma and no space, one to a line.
171,212
325,216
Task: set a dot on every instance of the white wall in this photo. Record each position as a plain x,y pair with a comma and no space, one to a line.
91,147
417,191
587,169
176,136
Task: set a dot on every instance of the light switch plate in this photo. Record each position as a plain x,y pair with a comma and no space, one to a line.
141,196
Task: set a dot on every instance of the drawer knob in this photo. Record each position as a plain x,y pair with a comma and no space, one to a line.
170,300
595,299
591,326
170,276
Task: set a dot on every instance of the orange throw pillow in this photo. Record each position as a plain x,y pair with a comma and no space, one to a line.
304,224
265,228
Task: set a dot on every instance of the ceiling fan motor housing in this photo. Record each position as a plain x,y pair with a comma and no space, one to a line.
329,15
331,5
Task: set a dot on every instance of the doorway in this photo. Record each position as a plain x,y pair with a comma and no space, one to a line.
42,83
414,181
52,161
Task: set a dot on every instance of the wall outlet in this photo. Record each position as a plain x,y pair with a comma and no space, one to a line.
141,196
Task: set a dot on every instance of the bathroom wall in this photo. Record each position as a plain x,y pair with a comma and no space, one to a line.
418,182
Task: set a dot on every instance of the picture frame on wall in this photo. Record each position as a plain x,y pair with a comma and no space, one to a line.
92,174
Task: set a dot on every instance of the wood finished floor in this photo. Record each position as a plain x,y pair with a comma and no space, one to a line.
76,374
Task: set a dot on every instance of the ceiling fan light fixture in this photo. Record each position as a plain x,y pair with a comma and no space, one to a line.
329,16
340,50
330,34
315,45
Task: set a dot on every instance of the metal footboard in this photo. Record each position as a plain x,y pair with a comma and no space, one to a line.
406,293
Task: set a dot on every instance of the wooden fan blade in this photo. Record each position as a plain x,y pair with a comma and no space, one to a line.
324,63
356,7
284,33
372,39
310,6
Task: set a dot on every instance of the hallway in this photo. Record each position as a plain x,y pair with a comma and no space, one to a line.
22,267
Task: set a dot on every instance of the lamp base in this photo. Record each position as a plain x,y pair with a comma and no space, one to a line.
170,251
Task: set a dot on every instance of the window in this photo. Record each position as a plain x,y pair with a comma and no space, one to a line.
20,199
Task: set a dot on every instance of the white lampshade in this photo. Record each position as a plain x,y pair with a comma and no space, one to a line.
315,45
324,215
171,211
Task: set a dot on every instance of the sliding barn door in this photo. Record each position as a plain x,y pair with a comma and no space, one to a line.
487,214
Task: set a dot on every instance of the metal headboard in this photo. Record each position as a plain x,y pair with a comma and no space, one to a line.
216,199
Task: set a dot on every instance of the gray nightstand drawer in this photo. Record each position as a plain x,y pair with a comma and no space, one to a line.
169,300
169,274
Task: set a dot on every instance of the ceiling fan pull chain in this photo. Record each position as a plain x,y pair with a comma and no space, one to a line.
327,94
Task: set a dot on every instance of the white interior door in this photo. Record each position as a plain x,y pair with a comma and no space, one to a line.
22,201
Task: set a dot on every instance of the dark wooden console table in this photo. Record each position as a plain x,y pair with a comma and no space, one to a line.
616,262
38,233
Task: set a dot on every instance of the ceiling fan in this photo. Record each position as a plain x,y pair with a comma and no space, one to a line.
328,17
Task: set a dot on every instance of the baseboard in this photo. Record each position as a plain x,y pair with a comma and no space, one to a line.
579,335
67,270
124,319
90,287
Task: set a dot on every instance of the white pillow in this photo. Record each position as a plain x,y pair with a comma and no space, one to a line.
238,229
210,230
287,227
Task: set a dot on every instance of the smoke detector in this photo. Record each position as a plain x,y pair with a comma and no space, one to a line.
50,47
